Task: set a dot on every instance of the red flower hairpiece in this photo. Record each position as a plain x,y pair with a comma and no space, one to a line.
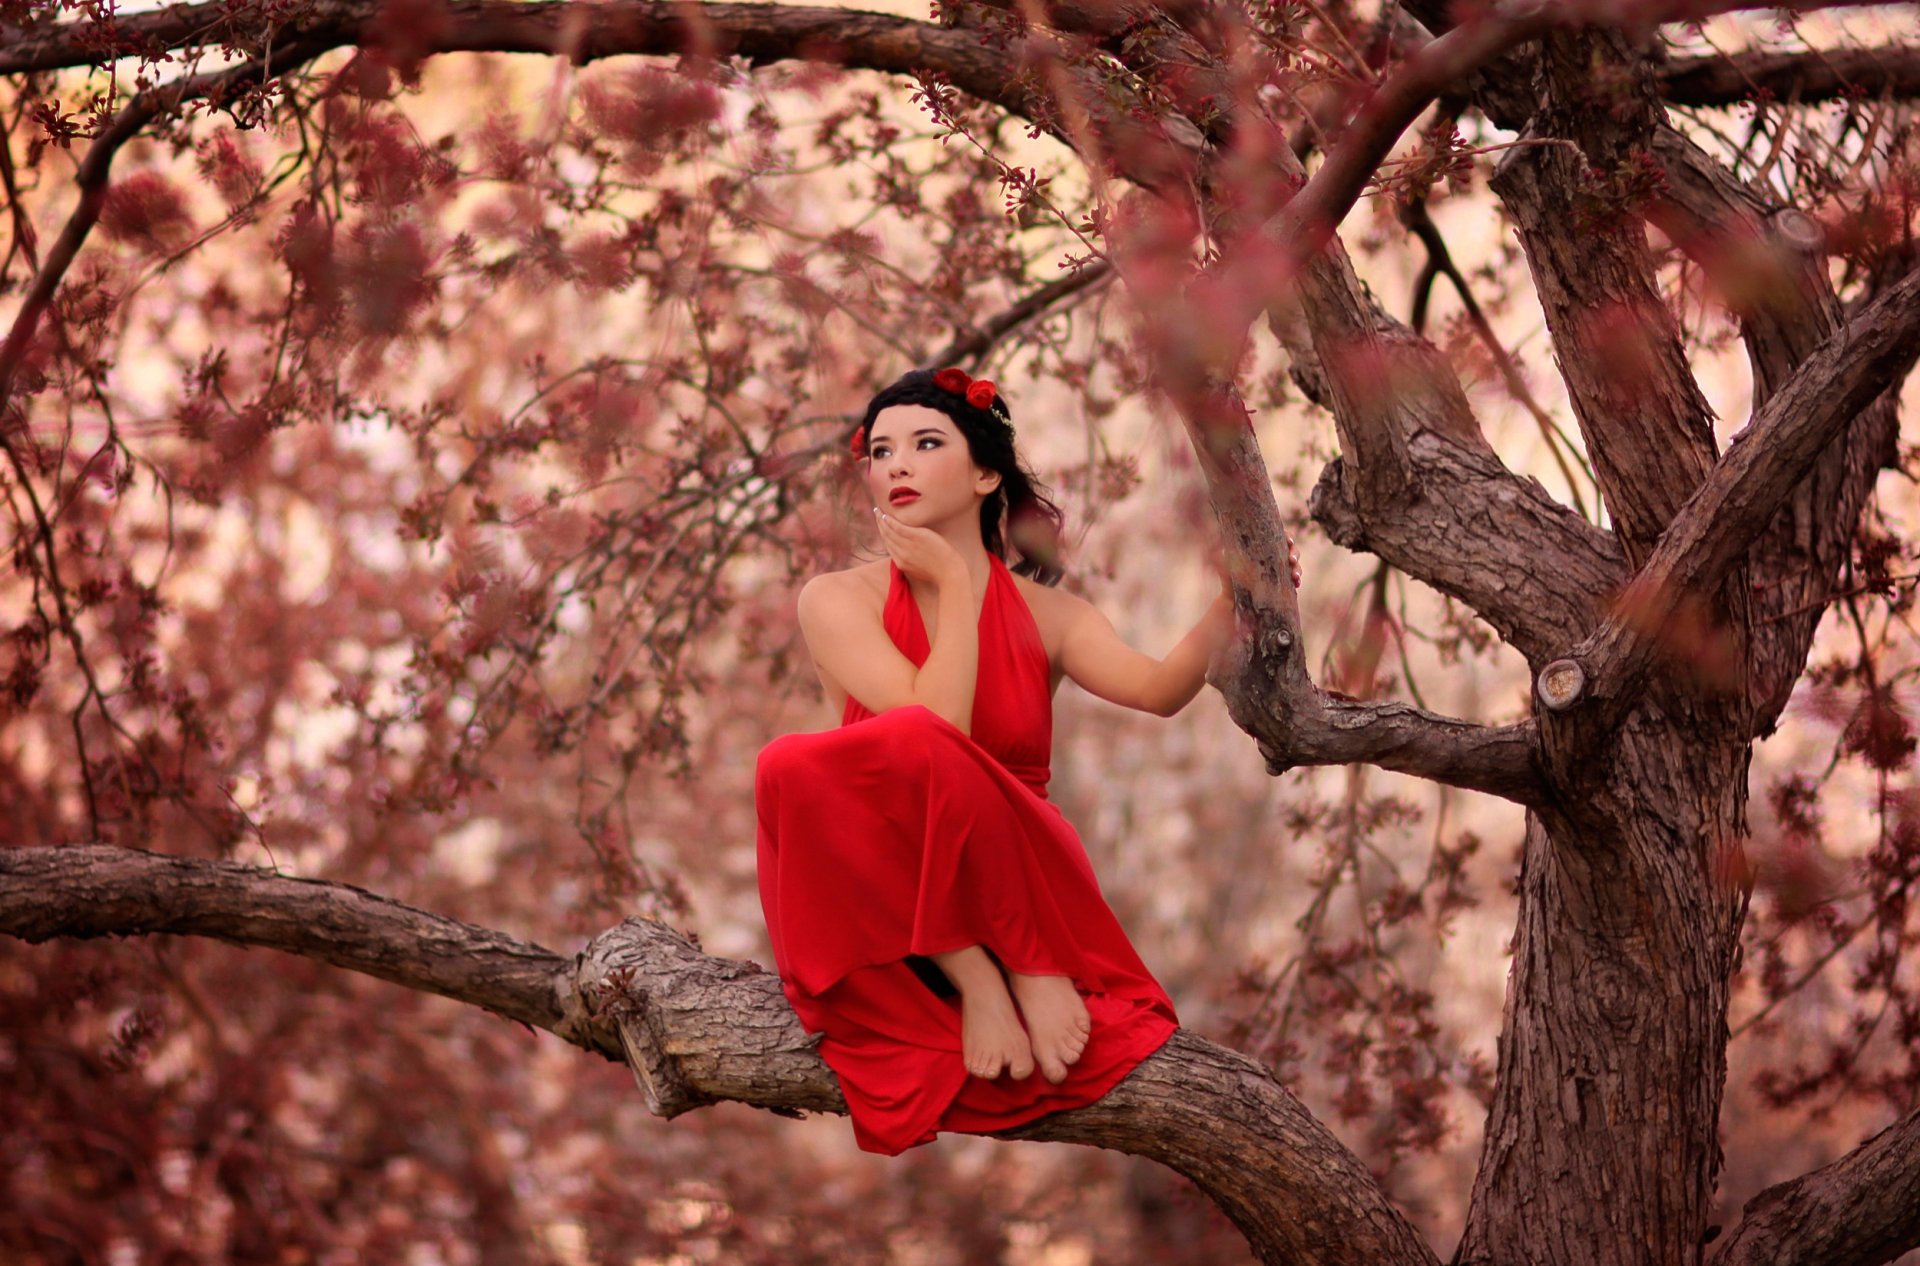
978,392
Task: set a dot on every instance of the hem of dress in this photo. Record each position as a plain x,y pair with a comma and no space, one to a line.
1161,1034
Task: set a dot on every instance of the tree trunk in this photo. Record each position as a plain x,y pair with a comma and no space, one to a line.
1601,1144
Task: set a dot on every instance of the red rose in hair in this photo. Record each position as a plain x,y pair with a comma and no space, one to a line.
858,443
954,380
980,394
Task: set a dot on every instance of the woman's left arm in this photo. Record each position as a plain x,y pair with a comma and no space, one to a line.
1097,661
1094,657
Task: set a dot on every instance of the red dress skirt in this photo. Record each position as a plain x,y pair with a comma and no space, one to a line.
895,837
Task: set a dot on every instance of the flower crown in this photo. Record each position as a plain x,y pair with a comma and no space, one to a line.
978,392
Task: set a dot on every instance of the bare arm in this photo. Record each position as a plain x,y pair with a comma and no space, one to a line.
849,646
1097,661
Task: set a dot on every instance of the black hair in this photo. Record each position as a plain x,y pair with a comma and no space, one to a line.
1020,506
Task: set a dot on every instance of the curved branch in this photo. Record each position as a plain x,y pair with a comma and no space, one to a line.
1333,730
1861,1210
699,1030
87,891
1417,484
1531,567
585,32
1263,674
1822,75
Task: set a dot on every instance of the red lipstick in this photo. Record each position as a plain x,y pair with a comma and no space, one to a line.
900,496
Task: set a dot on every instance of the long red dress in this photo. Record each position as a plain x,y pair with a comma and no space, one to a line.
896,835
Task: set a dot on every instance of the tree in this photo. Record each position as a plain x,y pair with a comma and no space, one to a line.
1663,644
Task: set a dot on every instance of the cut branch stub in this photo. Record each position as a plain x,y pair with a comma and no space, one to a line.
1561,684
1800,231
698,1029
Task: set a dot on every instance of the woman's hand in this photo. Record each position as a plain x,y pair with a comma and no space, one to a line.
1293,566
922,553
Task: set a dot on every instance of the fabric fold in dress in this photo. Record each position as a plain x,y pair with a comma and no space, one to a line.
897,836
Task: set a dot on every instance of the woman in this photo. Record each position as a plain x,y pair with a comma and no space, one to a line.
932,914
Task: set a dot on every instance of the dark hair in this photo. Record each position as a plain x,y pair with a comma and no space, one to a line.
1030,517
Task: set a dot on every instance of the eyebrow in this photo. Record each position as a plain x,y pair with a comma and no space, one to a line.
925,430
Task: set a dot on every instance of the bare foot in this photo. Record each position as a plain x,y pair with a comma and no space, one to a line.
991,1039
1057,1022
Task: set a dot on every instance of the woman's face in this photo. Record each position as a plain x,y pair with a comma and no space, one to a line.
919,468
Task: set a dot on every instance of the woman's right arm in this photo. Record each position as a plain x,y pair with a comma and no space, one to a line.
851,646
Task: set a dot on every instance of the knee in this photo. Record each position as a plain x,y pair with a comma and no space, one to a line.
775,763
916,719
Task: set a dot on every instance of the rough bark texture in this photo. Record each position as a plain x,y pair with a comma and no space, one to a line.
1600,1146
1648,429
87,891
1862,1209
1722,81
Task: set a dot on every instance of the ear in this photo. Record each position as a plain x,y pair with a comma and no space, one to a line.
985,481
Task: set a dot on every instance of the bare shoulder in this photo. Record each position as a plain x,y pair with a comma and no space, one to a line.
856,588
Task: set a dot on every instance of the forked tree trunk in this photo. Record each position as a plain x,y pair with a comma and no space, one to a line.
1601,1144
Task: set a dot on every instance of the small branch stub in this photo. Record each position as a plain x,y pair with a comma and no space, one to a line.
1800,231
1561,684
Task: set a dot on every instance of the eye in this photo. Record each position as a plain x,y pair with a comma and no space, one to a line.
930,439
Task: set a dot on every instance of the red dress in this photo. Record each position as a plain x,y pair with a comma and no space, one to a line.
896,835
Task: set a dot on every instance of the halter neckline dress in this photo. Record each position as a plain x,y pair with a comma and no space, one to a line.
897,836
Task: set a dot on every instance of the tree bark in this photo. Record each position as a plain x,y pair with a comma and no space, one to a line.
1861,1210
1600,1147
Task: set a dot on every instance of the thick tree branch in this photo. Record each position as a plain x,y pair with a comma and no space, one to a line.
1418,486
1891,70
760,33
1867,356
1532,568
1331,730
1263,674
1649,431
1768,267
1861,1210
701,1030
88,891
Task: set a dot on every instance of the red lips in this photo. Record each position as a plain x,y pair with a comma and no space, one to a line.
899,495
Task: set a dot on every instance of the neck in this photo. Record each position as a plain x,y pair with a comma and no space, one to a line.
963,533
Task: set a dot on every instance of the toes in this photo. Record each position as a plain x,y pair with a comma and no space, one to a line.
1053,1070
1021,1067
